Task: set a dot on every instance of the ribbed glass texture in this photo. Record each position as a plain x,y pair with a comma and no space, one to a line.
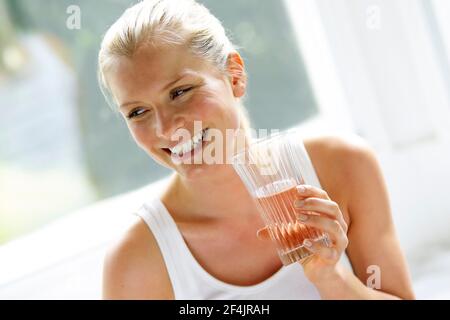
271,169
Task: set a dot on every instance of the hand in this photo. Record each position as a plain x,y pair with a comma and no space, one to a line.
315,209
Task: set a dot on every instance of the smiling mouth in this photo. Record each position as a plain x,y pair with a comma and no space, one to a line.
189,146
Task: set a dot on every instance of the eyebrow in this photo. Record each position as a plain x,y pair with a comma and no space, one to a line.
163,89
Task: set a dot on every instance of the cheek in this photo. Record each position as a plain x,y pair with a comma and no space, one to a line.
205,106
143,136
216,108
232,117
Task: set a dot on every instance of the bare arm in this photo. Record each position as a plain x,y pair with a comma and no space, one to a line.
372,238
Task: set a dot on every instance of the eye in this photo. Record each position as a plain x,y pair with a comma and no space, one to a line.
136,112
178,92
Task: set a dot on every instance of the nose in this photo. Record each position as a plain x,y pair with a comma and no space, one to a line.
167,122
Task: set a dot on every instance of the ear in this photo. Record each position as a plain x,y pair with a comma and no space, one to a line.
236,71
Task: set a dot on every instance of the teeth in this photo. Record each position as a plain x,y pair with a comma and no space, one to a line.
187,146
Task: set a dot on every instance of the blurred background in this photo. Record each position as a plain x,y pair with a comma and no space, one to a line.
71,175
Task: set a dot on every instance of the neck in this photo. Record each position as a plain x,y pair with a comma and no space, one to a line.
219,197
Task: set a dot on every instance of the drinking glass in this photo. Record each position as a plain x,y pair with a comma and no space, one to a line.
272,168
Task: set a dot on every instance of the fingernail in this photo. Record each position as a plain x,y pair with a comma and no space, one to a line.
301,189
302,217
299,203
307,243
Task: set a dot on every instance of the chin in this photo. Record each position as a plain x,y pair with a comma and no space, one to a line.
197,171
203,171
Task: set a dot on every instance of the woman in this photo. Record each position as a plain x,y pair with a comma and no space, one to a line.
167,64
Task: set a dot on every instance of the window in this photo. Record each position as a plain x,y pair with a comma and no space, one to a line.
61,147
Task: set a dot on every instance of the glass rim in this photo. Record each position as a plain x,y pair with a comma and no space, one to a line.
263,140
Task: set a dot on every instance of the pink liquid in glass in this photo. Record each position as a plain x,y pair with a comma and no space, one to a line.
288,233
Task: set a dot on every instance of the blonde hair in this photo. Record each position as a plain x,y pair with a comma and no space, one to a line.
167,22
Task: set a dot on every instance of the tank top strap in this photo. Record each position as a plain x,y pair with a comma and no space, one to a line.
310,177
309,173
171,245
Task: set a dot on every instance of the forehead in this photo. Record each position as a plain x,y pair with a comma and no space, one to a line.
151,69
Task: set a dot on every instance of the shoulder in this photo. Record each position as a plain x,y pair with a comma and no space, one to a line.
347,146
341,163
134,267
340,152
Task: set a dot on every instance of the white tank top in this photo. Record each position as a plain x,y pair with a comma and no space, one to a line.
191,281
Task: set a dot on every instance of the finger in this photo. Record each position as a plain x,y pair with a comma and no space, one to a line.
329,254
327,207
305,190
263,234
322,206
330,226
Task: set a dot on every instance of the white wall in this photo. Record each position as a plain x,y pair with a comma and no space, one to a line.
398,99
